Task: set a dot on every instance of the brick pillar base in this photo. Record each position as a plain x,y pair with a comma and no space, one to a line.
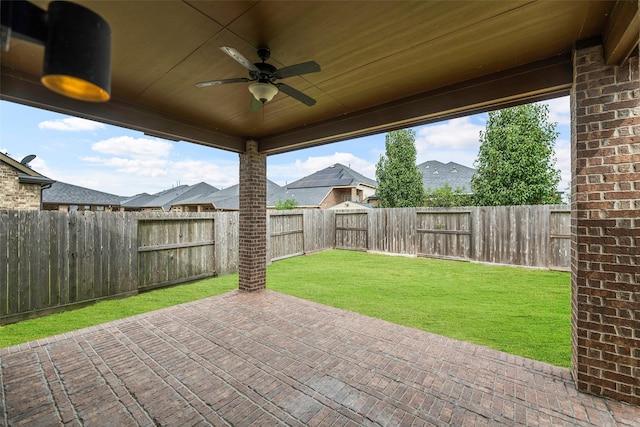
252,250
605,226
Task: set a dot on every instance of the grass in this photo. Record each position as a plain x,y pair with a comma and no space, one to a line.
105,311
520,311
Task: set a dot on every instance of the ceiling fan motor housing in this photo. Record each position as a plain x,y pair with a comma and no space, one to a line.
266,73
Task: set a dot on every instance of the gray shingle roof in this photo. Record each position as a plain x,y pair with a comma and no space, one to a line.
436,174
337,175
312,189
308,196
229,198
69,194
167,198
138,200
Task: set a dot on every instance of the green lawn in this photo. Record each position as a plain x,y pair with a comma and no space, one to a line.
520,311
105,311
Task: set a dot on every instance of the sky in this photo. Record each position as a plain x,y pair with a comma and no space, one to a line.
125,162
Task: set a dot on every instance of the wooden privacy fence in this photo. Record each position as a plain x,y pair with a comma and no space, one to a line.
55,259
532,236
50,260
173,250
352,230
444,234
286,235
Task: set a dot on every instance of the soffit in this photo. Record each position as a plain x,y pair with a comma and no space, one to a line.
381,60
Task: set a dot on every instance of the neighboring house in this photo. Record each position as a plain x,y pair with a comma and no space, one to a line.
228,199
20,186
436,174
331,186
352,206
169,200
61,196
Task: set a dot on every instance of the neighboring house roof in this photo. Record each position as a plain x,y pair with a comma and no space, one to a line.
312,189
229,198
436,174
69,194
167,198
196,190
337,175
138,200
26,175
308,196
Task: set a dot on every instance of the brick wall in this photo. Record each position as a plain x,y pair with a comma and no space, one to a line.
335,196
605,226
13,194
252,246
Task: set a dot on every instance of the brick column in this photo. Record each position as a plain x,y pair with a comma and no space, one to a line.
252,250
605,226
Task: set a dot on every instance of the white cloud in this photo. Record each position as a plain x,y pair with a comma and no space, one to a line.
559,110
71,124
138,173
141,167
454,140
563,157
458,133
138,148
219,174
289,172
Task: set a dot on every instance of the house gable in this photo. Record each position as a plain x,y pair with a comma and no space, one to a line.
20,186
331,186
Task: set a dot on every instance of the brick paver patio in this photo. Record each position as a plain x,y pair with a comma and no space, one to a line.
270,359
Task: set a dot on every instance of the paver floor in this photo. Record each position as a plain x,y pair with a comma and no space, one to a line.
269,359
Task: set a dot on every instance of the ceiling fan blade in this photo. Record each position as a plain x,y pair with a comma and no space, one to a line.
298,69
255,105
240,58
223,82
295,93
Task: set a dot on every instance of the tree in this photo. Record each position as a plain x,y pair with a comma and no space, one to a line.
445,196
287,204
516,162
399,180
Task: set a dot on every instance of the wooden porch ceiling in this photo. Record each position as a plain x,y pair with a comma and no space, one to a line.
384,65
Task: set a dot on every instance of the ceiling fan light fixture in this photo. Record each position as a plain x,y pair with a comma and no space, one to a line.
263,92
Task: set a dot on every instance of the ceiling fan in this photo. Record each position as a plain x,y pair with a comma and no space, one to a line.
265,76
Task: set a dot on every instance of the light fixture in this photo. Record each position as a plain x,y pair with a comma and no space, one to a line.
77,54
263,92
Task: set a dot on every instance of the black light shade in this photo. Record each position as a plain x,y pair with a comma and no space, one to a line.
77,55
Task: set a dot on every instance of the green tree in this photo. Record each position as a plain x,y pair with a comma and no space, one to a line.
399,180
516,162
284,205
445,196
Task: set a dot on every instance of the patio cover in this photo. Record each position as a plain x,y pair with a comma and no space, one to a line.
385,65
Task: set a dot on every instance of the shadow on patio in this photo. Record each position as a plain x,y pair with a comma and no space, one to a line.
267,359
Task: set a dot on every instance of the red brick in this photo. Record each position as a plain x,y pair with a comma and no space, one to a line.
605,170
